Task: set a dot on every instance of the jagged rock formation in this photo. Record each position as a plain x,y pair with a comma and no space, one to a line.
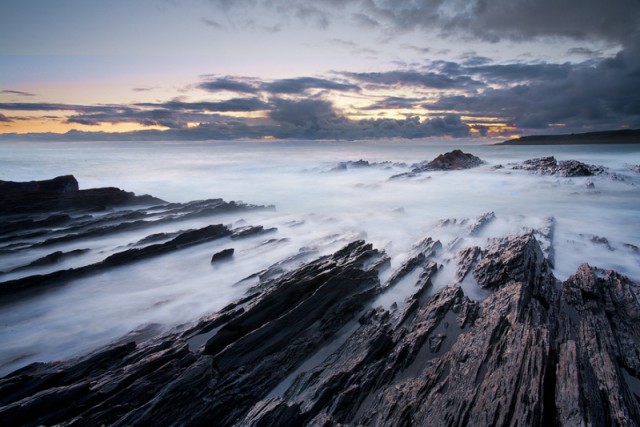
566,168
31,230
63,193
453,160
305,349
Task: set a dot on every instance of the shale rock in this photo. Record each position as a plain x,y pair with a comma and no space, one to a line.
535,352
566,168
63,193
223,255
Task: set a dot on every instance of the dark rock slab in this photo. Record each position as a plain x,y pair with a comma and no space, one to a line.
51,259
453,160
63,193
223,255
250,231
536,352
183,240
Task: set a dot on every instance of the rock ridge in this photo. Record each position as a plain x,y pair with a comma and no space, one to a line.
536,351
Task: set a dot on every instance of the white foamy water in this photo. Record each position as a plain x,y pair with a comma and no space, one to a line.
314,208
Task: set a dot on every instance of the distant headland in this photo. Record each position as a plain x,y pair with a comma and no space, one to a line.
624,136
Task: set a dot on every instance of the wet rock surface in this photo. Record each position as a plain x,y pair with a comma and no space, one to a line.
453,160
63,193
35,230
534,352
309,344
566,168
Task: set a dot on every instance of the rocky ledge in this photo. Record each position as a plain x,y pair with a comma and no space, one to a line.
566,168
453,160
310,348
63,193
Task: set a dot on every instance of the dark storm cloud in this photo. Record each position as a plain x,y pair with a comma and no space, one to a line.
316,119
416,78
394,103
306,112
5,119
146,118
227,84
584,51
510,73
290,86
301,84
581,96
615,21
17,92
231,105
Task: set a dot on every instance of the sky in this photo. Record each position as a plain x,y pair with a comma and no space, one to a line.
322,69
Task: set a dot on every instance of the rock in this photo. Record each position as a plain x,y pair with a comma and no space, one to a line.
466,259
479,223
513,259
182,240
589,184
534,352
251,230
52,258
63,193
598,240
224,254
566,168
453,160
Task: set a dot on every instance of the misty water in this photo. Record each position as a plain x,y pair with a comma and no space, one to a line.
316,207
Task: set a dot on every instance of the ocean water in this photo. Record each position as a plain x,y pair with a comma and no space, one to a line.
315,207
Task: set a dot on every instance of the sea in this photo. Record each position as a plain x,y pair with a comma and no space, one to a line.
317,204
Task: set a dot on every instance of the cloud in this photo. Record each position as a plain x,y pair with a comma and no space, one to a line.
510,73
590,95
17,92
394,103
164,118
211,23
44,106
416,78
5,119
230,105
317,119
353,47
584,51
518,20
365,21
228,84
144,88
311,113
617,22
302,84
